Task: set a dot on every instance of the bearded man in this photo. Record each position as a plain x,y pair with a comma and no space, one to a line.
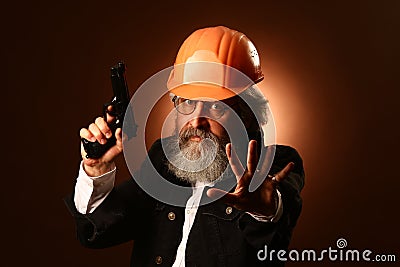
224,219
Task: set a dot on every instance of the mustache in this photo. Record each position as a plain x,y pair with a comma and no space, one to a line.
189,132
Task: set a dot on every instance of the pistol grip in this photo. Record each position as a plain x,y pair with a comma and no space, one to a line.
96,150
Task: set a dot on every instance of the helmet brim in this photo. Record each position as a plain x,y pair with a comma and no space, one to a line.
198,90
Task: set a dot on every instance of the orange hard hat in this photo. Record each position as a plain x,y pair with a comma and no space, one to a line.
215,62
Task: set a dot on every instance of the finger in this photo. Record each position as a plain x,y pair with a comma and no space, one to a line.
284,172
102,125
85,133
252,156
119,137
250,180
109,117
97,133
267,157
234,161
215,193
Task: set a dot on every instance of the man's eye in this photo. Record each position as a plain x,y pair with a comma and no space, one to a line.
189,102
216,106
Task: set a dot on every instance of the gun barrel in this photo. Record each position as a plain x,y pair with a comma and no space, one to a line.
122,98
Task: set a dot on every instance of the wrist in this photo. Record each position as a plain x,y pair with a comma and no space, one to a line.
98,169
271,209
268,216
275,203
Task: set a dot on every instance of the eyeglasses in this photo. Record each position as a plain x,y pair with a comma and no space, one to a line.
187,106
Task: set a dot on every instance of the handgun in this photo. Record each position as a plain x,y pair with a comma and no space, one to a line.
120,110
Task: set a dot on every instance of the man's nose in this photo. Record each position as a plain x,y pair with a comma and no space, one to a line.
199,120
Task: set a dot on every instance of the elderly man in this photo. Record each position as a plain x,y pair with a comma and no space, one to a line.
224,220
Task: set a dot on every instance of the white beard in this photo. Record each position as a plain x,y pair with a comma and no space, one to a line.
193,161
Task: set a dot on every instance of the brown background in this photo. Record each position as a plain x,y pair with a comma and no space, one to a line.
331,76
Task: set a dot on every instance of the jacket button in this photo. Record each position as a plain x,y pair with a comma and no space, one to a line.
158,260
228,210
171,216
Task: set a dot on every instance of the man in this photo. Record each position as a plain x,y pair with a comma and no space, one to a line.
220,223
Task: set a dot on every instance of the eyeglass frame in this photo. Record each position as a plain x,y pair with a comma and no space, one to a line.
226,102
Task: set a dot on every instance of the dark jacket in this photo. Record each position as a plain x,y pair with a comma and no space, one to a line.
219,236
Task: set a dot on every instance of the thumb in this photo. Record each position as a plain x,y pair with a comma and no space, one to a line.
120,136
284,172
215,193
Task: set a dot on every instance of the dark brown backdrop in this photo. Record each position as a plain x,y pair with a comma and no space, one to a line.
330,76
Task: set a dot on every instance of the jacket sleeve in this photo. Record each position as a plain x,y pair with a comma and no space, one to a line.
122,216
278,234
113,222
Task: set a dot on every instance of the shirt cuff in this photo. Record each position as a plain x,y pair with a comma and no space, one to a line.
91,191
272,218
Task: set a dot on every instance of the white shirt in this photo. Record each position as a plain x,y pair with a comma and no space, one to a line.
91,191
190,213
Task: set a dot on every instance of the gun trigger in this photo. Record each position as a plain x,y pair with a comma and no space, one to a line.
105,110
